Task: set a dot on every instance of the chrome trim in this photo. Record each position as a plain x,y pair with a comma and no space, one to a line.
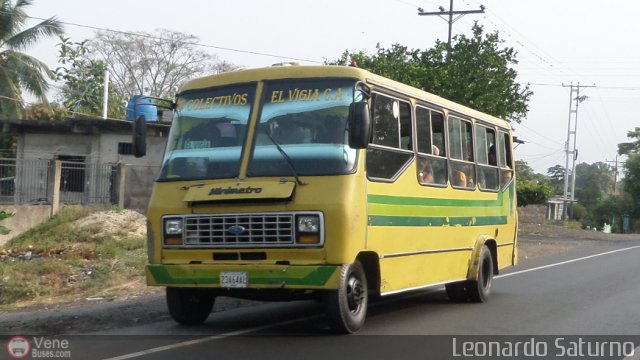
423,252
260,230
421,287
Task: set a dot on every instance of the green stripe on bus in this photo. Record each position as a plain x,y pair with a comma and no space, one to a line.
377,220
418,201
294,275
434,211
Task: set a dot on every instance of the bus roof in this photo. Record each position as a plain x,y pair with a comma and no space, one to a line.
318,71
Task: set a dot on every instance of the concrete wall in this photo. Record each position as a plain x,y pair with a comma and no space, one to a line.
98,148
98,142
26,217
138,186
532,214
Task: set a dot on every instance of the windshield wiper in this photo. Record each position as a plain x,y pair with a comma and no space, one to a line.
287,158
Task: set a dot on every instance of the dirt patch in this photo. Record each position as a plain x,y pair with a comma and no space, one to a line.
558,231
531,248
543,239
116,224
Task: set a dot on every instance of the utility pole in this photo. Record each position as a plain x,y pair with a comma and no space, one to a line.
615,174
105,92
569,195
450,20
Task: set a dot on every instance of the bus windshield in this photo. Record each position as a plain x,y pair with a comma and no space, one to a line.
306,120
207,133
301,131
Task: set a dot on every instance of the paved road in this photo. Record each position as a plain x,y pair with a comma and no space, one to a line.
594,290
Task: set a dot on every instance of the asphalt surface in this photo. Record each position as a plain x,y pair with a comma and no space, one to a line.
590,293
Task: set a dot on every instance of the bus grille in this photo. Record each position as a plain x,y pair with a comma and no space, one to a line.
239,230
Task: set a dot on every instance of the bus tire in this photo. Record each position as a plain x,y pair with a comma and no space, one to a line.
346,307
189,306
457,291
480,288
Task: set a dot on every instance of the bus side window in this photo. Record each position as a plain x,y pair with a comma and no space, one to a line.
388,152
431,165
505,159
461,166
486,158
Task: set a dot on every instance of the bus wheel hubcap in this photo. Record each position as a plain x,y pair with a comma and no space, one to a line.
355,293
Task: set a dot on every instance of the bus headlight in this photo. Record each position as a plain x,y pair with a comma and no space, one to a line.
173,231
309,223
308,227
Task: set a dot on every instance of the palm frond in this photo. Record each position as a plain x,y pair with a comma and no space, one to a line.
27,37
30,73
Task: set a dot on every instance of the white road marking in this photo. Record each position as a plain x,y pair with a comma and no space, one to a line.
208,338
565,262
269,326
635,356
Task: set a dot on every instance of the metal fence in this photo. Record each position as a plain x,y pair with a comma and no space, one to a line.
32,182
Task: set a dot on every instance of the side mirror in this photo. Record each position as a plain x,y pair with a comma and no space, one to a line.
139,137
359,124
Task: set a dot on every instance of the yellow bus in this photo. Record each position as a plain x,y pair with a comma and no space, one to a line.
326,182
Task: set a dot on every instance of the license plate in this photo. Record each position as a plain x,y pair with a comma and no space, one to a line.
234,279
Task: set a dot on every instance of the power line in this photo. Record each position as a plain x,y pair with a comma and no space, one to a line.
626,88
451,20
546,137
184,42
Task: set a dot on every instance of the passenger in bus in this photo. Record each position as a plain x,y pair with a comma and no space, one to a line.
289,132
228,136
459,178
425,175
332,132
492,156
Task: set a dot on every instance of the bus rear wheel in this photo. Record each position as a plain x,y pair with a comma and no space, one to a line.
480,288
346,307
474,290
189,306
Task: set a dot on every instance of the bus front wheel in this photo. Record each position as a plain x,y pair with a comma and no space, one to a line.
189,306
346,307
480,288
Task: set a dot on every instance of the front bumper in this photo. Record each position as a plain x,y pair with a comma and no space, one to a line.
259,276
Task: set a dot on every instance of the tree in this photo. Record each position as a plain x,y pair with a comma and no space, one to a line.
477,72
630,147
631,181
19,71
531,188
609,209
83,90
51,112
555,175
524,172
153,64
593,182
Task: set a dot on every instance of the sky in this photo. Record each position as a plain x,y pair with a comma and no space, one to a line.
586,42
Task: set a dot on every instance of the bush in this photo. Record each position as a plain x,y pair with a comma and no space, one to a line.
5,215
529,193
579,212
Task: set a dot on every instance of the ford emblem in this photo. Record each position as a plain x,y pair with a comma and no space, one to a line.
236,229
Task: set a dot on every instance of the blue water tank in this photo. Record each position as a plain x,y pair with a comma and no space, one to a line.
141,105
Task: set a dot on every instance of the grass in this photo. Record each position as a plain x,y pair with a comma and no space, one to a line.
57,261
